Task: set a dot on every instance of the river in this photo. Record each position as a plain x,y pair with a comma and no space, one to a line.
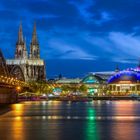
57,120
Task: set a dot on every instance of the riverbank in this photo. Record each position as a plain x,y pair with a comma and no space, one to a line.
4,108
78,98
96,98
115,98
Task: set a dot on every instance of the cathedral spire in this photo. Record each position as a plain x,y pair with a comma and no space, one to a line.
20,35
34,46
25,43
21,52
34,35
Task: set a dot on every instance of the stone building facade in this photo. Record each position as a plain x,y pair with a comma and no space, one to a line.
33,67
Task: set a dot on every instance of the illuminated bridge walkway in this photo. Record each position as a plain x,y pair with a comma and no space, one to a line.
10,79
10,82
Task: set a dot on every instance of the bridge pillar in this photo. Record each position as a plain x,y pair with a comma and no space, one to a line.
7,95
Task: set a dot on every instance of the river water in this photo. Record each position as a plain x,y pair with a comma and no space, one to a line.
56,120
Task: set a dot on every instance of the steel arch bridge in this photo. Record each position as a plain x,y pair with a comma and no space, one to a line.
10,78
16,72
10,75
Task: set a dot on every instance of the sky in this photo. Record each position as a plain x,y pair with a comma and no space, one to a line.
75,36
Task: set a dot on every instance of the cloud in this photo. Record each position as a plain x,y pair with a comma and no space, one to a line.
82,7
125,60
126,43
64,51
80,29
117,46
102,18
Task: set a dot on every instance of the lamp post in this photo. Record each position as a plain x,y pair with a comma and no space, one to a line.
18,89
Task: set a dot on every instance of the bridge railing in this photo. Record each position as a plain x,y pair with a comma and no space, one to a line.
12,81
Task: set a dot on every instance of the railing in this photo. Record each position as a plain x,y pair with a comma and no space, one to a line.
12,81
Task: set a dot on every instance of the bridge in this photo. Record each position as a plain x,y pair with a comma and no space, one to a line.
11,81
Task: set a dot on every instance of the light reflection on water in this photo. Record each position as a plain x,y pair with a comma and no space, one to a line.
97,118
72,120
17,127
91,125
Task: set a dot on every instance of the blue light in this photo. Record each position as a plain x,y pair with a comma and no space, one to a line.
125,76
91,79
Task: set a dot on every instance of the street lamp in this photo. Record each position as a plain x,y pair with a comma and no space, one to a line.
18,88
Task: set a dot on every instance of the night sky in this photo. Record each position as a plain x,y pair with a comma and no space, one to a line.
75,36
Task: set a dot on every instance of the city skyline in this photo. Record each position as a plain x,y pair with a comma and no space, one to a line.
69,69
81,32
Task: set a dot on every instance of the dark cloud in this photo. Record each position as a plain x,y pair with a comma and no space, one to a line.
67,29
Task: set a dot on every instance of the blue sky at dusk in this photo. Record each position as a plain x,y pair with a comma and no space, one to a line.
75,36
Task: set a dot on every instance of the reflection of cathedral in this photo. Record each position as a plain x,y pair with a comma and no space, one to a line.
32,66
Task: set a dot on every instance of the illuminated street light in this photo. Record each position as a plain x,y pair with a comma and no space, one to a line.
18,88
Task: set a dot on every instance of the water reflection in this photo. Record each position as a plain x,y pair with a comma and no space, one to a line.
17,128
91,132
18,109
126,125
124,108
57,120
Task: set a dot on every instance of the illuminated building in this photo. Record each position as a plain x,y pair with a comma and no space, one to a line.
93,82
32,67
69,81
125,82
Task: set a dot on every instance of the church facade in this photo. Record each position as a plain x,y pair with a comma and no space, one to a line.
32,66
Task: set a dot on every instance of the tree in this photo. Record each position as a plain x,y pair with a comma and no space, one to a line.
40,87
74,88
83,88
65,88
33,86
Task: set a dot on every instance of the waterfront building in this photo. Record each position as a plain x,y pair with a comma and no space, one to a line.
104,75
32,66
108,83
125,82
68,81
95,83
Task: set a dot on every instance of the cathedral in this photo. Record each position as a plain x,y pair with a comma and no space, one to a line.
32,66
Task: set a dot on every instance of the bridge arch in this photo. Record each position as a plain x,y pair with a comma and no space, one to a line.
17,72
3,67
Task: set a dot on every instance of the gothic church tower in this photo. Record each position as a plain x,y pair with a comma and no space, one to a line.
34,46
21,51
33,67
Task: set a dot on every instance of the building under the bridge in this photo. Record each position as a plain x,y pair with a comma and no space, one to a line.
32,66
